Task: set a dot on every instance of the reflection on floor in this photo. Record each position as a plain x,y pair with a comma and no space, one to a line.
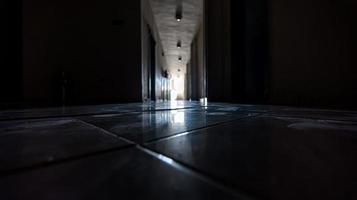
178,150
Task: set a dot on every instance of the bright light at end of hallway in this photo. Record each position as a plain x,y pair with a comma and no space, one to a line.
178,88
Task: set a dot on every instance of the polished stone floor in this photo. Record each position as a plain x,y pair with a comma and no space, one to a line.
178,150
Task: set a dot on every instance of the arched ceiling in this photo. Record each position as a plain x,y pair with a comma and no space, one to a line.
171,31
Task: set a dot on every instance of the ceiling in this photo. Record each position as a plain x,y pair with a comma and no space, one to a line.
171,31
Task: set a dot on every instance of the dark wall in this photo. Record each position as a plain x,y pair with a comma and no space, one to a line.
237,50
313,50
91,47
299,53
250,54
218,46
10,53
196,70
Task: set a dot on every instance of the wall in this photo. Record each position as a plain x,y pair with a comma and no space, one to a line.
196,68
299,53
188,82
193,71
10,54
160,67
313,48
147,23
201,61
218,50
97,44
145,61
250,57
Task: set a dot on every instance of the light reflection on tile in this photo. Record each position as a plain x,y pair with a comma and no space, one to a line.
92,110
125,174
144,127
279,153
274,157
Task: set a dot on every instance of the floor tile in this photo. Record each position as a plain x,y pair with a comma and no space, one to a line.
126,174
145,127
244,107
316,114
27,143
93,110
274,157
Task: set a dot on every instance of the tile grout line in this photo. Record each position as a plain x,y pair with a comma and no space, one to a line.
43,164
92,114
69,159
303,117
173,163
130,144
198,129
183,167
197,173
171,136
106,132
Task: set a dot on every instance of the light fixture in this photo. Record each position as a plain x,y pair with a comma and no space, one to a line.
178,16
180,58
179,44
179,11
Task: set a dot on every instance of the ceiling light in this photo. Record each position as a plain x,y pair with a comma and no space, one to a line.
180,58
179,44
178,15
179,12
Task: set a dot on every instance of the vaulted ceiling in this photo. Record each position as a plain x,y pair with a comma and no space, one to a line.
171,31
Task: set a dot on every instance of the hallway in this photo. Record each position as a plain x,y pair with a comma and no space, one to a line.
178,150
178,99
173,50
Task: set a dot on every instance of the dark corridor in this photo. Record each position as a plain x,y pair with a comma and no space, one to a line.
178,99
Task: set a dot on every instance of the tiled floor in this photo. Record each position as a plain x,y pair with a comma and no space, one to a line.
178,150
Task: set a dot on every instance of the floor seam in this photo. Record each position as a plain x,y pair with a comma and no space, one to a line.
91,114
310,118
198,174
14,171
194,131
106,132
